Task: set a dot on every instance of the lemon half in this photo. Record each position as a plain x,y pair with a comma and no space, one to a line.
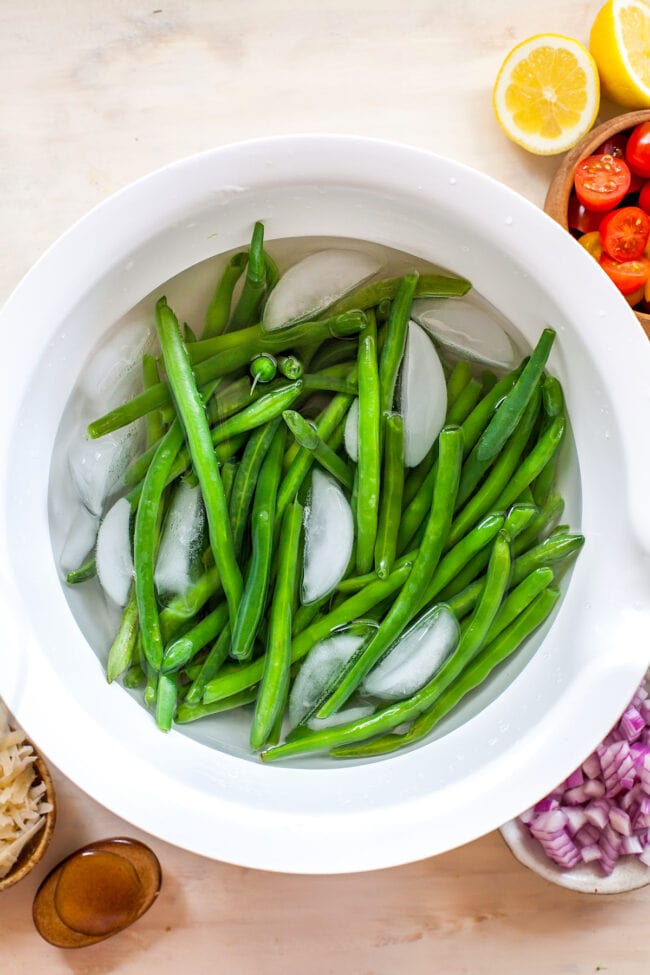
547,93
620,44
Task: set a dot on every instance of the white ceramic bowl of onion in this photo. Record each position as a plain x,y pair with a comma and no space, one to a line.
539,715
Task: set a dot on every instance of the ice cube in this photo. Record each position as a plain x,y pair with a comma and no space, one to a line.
181,540
113,552
97,466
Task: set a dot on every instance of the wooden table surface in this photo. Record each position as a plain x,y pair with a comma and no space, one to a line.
96,94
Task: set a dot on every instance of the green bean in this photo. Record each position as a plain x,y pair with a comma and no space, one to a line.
511,410
395,342
213,364
218,311
253,599
166,699
326,424
329,382
356,583
234,679
191,712
552,396
192,414
228,475
145,541
86,571
554,549
210,667
307,436
392,487
407,602
471,641
464,403
290,367
488,497
246,479
473,676
428,286
263,368
182,650
277,660
458,378
150,377
369,459
247,308
120,656
416,476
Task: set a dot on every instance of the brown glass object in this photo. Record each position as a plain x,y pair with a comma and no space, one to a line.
96,892
559,191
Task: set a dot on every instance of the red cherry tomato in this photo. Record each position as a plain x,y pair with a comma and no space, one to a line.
601,182
580,218
628,276
644,197
637,151
614,146
624,233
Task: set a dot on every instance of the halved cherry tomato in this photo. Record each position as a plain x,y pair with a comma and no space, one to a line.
591,243
644,197
614,146
601,182
637,151
628,276
624,233
580,218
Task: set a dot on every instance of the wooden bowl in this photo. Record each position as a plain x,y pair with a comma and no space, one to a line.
35,850
557,198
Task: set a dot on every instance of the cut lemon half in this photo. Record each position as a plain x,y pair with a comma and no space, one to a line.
547,93
620,44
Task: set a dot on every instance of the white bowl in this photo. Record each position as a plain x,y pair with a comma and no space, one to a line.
515,739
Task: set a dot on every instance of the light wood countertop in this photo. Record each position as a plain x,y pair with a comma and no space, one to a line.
96,94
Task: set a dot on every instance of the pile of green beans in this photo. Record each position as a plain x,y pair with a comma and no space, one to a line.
247,415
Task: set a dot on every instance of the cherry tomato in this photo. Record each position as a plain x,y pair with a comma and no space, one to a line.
637,151
624,233
614,146
580,218
601,182
628,276
591,243
644,197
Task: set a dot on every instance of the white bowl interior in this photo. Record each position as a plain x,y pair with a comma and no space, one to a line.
532,724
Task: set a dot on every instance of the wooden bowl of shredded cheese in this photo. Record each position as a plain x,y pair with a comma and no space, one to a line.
27,804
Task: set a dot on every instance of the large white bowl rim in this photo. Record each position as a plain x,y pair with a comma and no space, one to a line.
519,745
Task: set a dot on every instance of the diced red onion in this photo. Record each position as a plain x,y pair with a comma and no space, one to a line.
601,812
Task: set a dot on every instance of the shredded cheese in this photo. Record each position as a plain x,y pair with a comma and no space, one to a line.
22,805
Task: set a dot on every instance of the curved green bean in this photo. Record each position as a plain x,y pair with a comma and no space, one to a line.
121,653
247,308
395,341
428,286
307,436
183,649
